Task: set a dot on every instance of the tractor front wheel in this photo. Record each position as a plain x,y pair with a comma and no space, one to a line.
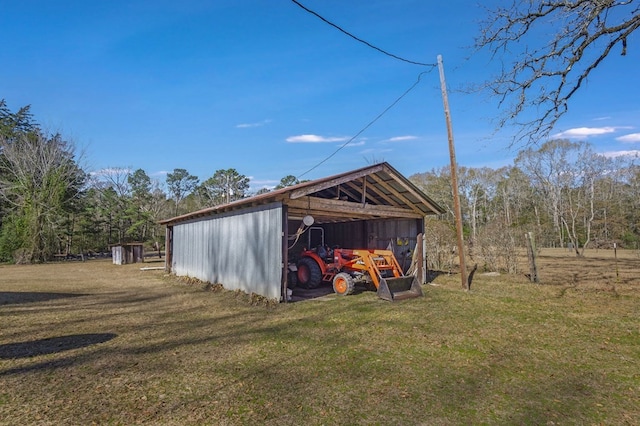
309,273
343,284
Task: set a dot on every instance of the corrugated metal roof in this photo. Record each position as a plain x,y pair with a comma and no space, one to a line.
377,191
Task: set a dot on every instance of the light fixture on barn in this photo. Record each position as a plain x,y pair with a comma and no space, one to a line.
307,221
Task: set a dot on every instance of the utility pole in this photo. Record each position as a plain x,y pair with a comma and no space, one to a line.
454,178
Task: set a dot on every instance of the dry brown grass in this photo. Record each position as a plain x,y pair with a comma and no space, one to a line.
597,268
92,342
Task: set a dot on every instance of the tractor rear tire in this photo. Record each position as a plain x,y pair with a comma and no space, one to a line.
292,279
343,284
309,273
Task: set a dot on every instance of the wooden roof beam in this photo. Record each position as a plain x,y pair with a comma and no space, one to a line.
325,184
389,188
340,207
415,192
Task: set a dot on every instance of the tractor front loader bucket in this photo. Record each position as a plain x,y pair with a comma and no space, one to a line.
399,288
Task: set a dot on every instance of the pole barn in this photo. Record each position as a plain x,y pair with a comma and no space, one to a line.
250,244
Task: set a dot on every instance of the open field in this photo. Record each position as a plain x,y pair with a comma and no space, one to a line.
94,343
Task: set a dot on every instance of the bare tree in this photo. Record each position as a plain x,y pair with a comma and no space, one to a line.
552,47
478,186
40,180
113,184
565,174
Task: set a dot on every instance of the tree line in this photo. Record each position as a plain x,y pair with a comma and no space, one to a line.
562,191
51,207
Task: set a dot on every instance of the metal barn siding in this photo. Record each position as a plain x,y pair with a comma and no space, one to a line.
117,254
242,250
124,254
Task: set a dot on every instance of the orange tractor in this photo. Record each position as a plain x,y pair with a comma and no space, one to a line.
348,267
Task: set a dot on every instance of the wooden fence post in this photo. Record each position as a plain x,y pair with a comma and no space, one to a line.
531,254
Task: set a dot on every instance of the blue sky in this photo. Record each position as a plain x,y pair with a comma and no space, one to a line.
270,90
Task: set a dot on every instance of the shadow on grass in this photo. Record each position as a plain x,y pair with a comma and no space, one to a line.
325,289
52,345
19,297
432,275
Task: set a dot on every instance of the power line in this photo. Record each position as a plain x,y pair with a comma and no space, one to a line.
368,125
360,40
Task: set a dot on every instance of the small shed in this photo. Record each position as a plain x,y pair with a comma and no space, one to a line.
248,244
123,254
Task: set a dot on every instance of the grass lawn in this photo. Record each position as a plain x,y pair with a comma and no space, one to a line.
95,343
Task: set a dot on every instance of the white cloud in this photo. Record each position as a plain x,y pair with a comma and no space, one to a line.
359,143
401,138
614,154
630,138
583,132
249,125
263,182
111,171
375,151
256,185
314,139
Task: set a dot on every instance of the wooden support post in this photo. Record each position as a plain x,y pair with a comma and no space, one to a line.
284,284
420,260
531,254
615,255
168,249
